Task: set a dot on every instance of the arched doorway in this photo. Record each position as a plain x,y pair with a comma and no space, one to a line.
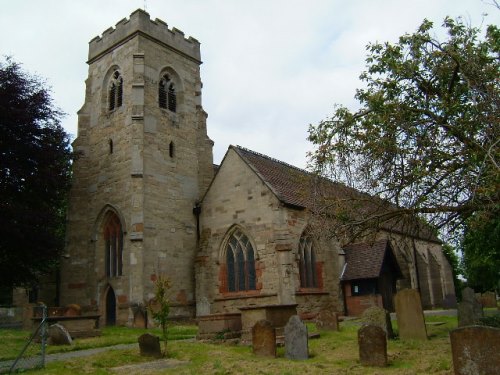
110,307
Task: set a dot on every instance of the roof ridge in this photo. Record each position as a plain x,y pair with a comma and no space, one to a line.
273,159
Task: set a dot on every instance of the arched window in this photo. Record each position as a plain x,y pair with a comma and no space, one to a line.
240,263
307,263
113,245
115,97
166,94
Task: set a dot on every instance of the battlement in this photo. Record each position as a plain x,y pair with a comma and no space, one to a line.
140,23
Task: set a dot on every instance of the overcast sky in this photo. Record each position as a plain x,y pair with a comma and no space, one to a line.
270,67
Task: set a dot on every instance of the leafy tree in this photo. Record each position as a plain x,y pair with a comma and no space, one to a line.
161,306
34,177
481,254
426,136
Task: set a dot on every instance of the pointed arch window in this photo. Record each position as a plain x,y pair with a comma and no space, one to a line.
115,92
167,96
240,263
307,263
113,246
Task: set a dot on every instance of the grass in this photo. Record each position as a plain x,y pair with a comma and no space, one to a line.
332,353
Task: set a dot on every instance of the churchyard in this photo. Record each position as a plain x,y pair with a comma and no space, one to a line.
334,352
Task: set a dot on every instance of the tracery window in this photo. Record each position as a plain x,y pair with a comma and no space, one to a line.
240,263
307,263
113,246
167,96
115,93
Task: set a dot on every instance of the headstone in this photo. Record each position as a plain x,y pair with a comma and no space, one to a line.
475,350
149,346
377,316
470,309
58,335
264,339
296,344
372,341
140,319
327,320
489,299
409,315
73,310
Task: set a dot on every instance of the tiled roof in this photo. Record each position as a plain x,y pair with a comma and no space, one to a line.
298,188
364,261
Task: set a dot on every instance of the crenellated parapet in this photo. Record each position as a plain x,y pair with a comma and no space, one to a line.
139,23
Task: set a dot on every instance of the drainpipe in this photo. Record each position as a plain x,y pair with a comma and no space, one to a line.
197,212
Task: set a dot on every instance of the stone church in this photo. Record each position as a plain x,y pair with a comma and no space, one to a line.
147,201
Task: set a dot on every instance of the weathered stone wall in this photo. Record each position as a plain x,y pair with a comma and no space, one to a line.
152,189
238,197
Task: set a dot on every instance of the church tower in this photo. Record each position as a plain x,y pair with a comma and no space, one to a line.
143,161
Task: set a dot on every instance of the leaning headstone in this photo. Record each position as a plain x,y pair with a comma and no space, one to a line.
470,310
377,316
409,315
58,335
264,339
372,341
327,320
475,350
296,344
149,346
489,299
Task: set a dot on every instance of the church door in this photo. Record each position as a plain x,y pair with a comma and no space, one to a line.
110,307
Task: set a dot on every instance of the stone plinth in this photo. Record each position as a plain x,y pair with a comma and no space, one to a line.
210,326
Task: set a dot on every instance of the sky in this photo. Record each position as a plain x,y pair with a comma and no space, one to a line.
270,67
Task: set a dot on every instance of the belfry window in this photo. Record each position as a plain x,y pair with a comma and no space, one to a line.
115,93
307,263
167,96
113,246
240,263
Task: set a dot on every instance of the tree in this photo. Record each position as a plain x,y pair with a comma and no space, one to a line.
34,177
426,136
161,306
481,254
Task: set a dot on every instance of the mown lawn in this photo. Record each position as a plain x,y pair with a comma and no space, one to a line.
332,353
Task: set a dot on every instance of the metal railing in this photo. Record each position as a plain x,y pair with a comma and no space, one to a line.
33,353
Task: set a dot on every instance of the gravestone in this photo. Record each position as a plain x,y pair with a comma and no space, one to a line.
296,344
327,320
264,339
489,299
409,315
58,335
377,316
73,310
475,350
470,309
149,345
372,341
140,319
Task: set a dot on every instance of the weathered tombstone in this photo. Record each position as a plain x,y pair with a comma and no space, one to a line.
140,319
149,345
475,350
296,340
58,335
470,309
73,310
409,315
377,316
489,299
264,339
327,320
372,341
